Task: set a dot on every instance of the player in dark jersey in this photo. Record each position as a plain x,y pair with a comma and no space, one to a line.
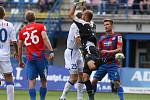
88,40
109,44
35,38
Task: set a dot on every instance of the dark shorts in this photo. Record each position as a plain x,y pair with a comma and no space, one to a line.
37,67
94,55
111,69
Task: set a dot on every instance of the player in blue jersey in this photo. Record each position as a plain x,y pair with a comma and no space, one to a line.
109,44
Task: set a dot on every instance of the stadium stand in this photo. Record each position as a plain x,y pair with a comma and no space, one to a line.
57,21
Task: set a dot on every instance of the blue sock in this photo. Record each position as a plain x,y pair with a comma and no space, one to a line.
32,93
43,92
121,93
95,88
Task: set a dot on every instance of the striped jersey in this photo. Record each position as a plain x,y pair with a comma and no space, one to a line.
109,42
31,35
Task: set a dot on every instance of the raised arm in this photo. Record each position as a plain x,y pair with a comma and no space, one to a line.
73,8
72,11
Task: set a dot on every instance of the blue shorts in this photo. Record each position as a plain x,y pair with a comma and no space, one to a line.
112,71
37,67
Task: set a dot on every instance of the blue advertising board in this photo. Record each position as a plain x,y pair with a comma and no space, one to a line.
57,77
134,80
135,77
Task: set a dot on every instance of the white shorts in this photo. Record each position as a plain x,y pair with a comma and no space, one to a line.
5,67
74,61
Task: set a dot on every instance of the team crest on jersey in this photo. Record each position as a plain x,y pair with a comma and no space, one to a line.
119,38
113,38
108,43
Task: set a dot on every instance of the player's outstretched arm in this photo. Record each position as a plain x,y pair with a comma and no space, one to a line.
48,45
72,11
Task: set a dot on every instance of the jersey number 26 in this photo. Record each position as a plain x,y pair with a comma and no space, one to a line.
34,38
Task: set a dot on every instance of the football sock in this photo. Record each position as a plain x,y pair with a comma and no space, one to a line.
10,90
89,87
121,93
67,87
43,92
80,86
32,93
95,88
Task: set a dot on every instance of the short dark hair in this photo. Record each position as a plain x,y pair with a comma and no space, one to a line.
2,12
30,16
108,20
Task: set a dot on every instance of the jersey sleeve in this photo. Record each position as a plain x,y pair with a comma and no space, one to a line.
99,44
76,31
13,34
119,40
43,27
79,23
20,37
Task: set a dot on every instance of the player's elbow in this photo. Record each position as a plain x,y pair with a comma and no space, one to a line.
70,15
119,49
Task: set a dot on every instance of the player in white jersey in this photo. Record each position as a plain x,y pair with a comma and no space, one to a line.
74,61
7,35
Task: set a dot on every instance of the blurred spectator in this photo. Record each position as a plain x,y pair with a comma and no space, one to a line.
144,6
148,9
113,6
50,3
95,4
2,2
102,7
41,3
45,5
141,6
108,6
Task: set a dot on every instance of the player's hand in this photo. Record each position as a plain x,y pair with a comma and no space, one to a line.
79,2
16,55
91,65
51,56
21,64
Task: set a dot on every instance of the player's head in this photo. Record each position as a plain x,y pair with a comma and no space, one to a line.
108,25
30,16
2,12
87,15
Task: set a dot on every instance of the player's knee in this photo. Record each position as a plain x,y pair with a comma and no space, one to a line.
116,84
73,80
8,77
43,83
85,77
94,81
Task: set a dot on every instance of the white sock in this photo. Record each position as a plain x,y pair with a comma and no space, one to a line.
10,92
80,91
67,87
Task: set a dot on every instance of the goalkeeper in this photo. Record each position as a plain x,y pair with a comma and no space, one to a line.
88,41
110,48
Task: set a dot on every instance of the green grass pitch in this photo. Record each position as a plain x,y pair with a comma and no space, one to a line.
54,95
